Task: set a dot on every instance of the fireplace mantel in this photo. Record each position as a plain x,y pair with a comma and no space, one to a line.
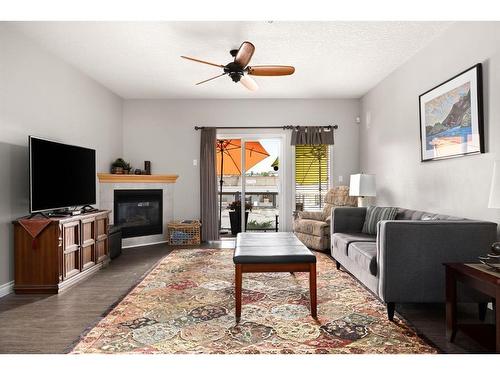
139,178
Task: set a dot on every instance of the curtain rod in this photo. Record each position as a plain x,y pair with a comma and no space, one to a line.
286,127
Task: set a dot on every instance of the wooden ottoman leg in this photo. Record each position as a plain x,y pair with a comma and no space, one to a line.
312,289
238,285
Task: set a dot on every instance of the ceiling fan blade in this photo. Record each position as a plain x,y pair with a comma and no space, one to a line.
244,54
270,70
201,61
220,75
249,83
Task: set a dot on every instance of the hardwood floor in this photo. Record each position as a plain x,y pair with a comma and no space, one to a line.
429,320
51,324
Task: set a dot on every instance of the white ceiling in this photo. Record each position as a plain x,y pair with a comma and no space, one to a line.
141,59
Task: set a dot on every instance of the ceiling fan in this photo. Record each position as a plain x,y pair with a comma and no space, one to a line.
239,71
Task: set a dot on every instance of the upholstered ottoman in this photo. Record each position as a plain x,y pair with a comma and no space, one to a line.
272,252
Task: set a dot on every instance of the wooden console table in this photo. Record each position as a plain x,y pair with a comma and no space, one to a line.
483,281
68,250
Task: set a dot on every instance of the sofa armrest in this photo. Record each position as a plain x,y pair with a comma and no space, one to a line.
347,219
411,253
311,215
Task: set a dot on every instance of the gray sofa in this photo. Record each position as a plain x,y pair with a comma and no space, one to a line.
403,263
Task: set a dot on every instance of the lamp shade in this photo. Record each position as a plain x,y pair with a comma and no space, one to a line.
494,201
362,185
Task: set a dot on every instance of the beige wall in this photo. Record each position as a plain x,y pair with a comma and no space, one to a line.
389,136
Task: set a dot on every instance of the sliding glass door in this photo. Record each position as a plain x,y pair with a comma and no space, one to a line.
262,185
249,184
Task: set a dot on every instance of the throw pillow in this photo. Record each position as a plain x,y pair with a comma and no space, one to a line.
374,215
427,217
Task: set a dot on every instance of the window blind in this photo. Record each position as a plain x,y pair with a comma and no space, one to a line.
312,176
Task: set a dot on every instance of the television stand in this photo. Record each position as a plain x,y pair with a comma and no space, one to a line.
67,251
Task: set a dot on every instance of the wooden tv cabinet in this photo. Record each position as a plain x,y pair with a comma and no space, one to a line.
68,250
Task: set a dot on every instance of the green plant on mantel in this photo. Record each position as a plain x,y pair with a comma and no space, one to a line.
120,164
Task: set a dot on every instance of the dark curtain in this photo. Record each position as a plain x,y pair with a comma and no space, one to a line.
312,135
208,185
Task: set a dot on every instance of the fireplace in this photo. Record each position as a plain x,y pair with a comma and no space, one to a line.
138,212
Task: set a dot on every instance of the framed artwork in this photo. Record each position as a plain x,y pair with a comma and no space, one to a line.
451,117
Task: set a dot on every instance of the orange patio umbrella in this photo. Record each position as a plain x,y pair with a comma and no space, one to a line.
229,155
229,160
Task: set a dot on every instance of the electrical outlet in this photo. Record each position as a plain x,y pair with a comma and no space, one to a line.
341,178
195,162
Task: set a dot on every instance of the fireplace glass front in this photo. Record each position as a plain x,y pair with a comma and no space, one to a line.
139,212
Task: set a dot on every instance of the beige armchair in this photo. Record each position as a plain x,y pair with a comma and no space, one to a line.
313,227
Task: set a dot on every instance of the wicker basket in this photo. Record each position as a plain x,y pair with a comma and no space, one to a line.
179,233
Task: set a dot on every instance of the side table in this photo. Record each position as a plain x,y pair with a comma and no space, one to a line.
483,281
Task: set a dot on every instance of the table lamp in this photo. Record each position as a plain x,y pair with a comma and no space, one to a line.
362,186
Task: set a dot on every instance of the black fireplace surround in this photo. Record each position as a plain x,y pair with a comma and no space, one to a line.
139,212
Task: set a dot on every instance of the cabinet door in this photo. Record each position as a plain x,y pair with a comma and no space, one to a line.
102,250
88,242
102,237
71,249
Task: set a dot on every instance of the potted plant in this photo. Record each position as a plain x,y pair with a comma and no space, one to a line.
120,166
235,215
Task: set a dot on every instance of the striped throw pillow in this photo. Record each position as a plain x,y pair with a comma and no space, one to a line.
374,215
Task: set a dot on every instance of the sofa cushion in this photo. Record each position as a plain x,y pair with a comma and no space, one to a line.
374,215
327,211
406,214
364,254
313,227
342,240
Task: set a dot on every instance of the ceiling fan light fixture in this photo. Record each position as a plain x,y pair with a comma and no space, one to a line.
236,76
249,83
238,69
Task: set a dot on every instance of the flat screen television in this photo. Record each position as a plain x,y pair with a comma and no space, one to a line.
61,175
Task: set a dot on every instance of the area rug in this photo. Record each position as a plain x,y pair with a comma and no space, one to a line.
186,305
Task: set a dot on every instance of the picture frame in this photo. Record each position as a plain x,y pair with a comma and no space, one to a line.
451,117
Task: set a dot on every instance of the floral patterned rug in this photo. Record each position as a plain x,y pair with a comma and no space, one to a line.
186,305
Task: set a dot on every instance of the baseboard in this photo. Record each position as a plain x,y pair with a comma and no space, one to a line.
143,244
6,288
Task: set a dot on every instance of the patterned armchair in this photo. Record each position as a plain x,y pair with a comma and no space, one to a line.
313,227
